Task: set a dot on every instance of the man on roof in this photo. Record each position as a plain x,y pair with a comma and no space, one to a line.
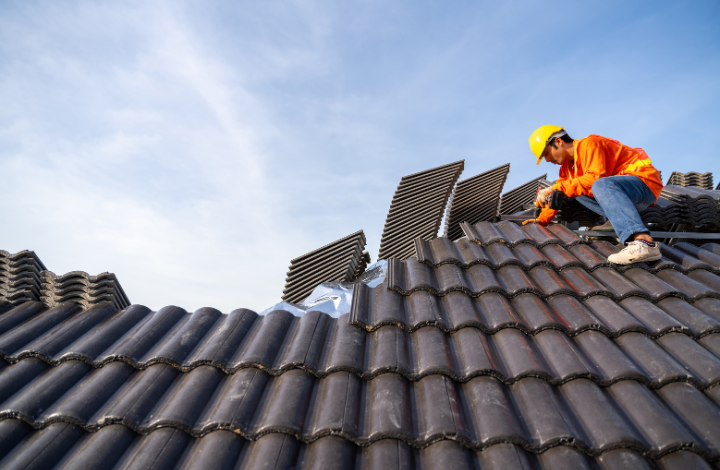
607,177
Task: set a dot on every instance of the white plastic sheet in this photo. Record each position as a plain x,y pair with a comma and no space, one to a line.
334,298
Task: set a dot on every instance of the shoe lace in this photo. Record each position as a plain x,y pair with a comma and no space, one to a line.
633,248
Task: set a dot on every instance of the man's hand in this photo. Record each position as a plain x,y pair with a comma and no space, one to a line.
530,221
542,195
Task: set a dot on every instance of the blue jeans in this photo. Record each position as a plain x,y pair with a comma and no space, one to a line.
619,198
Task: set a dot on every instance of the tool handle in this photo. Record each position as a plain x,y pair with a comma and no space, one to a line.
555,200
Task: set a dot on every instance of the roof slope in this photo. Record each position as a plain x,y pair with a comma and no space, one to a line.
516,346
167,448
417,209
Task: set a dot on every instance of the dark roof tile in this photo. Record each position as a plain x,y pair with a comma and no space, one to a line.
475,199
81,288
697,411
485,233
417,209
491,311
522,346
23,277
675,460
20,276
341,260
514,199
322,345
695,208
530,411
527,255
692,178
71,447
509,280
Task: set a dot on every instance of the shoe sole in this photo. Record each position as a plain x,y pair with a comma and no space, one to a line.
646,260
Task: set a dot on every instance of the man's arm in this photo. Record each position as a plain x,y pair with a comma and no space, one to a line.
547,214
592,160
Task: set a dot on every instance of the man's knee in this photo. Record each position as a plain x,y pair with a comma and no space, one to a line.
600,185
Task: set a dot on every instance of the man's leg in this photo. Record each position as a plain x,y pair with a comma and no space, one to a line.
591,204
620,198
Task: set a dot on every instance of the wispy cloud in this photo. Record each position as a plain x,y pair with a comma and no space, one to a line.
195,149
169,189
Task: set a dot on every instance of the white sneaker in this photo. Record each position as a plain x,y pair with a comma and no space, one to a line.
636,252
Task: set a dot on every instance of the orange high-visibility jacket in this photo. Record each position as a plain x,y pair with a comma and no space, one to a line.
596,157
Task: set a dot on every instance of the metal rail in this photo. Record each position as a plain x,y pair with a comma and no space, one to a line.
693,235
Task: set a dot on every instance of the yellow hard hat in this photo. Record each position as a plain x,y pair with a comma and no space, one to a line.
540,137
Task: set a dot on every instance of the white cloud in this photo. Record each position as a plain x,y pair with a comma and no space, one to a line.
171,193
194,149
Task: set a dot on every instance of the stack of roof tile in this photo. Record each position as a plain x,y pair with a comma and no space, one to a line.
362,265
417,209
665,213
23,277
341,260
689,194
573,211
700,180
475,199
81,288
544,183
694,207
513,200
20,276
520,347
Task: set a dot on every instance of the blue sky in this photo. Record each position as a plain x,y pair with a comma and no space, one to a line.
194,148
